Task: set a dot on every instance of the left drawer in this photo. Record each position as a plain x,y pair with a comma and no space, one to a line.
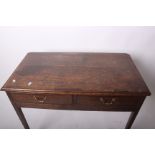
20,98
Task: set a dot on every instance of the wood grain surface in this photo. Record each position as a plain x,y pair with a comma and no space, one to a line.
77,73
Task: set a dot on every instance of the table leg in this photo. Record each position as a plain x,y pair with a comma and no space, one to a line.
131,119
134,113
21,117
19,113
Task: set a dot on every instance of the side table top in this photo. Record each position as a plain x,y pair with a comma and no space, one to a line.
77,73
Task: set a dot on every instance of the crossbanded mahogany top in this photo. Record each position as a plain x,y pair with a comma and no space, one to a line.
77,73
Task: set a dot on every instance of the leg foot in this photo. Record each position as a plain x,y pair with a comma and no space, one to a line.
131,119
22,117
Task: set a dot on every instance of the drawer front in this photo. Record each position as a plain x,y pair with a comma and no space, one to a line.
20,98
107,101
69,102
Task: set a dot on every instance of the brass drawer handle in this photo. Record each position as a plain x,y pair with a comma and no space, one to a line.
40,99
103,101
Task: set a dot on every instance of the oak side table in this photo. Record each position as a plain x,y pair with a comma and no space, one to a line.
77,81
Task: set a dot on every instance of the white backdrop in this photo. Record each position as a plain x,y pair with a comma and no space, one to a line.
139,42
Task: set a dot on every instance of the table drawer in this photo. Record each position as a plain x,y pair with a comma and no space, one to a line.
20,98
106,101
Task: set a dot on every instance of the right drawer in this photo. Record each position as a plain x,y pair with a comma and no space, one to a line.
107,101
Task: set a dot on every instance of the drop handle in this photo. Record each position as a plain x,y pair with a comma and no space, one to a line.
40,99
103,101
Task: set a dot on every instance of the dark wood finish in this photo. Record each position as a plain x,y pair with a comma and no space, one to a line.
77,81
